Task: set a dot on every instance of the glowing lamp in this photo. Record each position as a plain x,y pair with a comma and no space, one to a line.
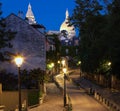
18,61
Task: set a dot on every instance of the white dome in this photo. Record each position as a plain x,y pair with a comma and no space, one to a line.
65,26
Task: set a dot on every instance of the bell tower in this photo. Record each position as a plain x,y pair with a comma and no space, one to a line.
30,16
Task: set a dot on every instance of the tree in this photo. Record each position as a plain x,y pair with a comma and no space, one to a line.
113,36
84,9
95,41
100,35
8,80
89,21
54,55
6,36
64,33
33,78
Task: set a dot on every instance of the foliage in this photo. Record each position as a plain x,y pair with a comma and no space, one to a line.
29,79
93,46
54,55
33,78
8,80
33,97
104,67
99,34
6,36
64,33
84,9
114,36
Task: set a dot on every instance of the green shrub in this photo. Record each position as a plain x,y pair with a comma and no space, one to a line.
33,97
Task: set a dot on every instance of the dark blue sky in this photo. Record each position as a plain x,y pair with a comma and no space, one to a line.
50,13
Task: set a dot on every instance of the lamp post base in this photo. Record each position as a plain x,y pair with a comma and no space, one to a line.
64,101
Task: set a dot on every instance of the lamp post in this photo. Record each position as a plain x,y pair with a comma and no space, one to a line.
109,63
63,62
64,71
52,65
19,61
109,80
58,67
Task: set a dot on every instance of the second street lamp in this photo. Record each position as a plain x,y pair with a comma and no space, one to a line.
52,65
19,61
63,62
64,71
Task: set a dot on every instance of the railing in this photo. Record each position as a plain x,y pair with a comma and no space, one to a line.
108,103
112,84
111,81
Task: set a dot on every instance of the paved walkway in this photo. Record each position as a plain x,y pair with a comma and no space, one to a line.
53,100
112,95
81,101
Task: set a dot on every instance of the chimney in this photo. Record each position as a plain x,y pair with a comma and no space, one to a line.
20,14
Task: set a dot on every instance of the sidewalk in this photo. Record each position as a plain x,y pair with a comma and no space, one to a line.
79,100
112,96
53,100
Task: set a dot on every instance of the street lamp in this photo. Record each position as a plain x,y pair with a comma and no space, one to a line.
58,62
109,63
64,71
19,61
63,63
109,68
52,66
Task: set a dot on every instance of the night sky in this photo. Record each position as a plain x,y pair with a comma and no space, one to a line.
50,13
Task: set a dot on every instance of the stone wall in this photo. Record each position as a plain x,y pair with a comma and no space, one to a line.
9,99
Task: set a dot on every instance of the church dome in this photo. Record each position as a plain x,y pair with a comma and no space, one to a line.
69,28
